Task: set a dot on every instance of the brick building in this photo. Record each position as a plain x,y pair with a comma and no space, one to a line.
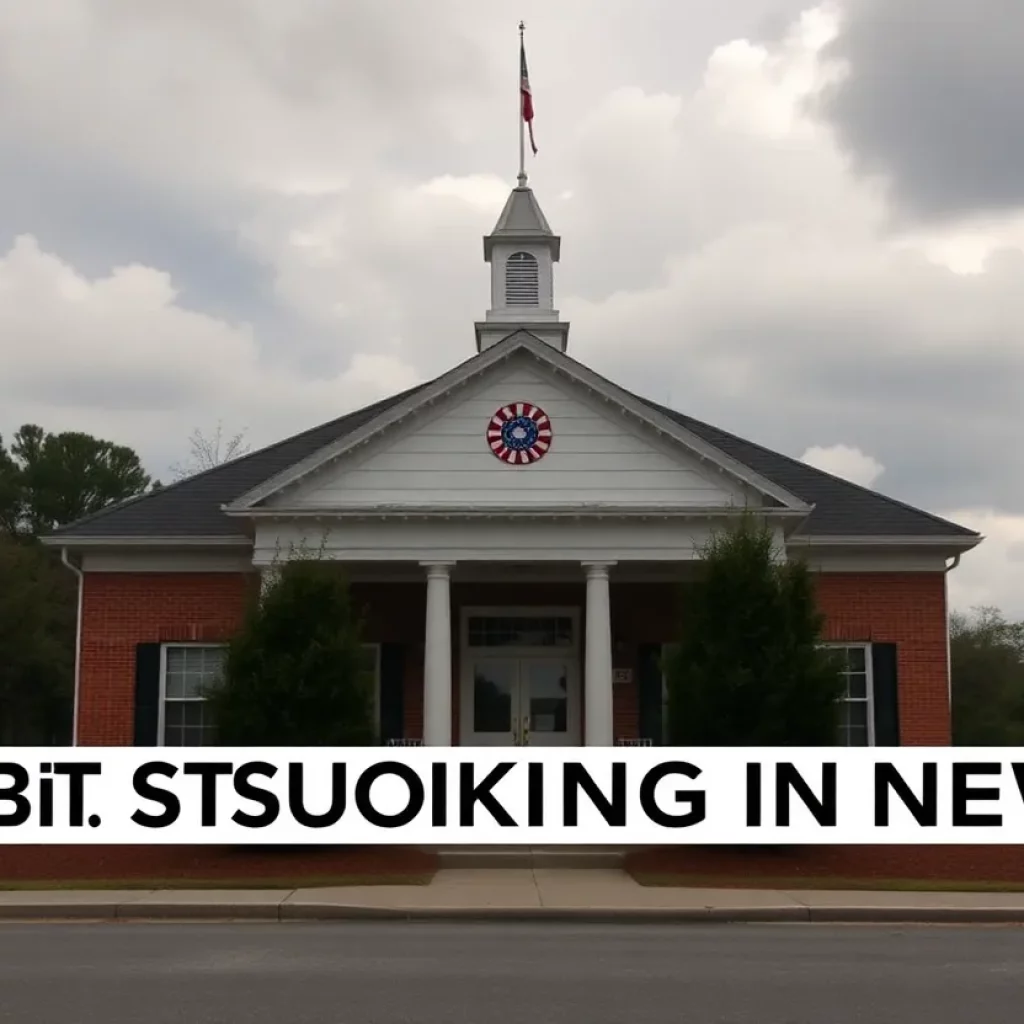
519,532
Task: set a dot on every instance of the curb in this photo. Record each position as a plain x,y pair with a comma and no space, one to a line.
299,912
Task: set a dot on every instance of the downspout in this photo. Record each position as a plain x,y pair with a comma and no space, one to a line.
949,660
78,640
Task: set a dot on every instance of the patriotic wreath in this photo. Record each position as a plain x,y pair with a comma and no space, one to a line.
519,433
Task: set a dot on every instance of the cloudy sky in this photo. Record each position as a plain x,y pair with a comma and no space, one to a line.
802,223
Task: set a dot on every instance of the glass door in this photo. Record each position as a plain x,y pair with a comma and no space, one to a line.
544,696
522,702
494,705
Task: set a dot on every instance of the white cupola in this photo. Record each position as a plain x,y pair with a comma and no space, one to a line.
522,251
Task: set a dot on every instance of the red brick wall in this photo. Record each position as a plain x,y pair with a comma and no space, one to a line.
120,610
908,609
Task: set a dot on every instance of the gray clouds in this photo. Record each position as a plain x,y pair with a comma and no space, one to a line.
932,101
295,196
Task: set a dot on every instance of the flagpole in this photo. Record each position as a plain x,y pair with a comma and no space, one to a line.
522,122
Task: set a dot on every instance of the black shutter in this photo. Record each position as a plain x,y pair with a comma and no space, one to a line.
147,694
649,692
392,692
885,695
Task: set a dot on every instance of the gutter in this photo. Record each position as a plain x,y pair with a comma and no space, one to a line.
949,657
78,640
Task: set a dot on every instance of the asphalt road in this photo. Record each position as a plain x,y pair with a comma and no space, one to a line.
385,973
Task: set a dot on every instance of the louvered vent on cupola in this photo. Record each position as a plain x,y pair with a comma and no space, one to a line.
522,280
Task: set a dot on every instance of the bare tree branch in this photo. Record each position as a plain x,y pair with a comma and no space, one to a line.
205,452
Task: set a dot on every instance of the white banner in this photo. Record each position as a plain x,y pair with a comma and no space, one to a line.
453,795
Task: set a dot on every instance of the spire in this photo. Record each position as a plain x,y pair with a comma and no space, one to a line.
522,251
522,220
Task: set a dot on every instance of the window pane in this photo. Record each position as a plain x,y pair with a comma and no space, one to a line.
857,685
519,631
547,687
187,724
493,684
855,659
192,670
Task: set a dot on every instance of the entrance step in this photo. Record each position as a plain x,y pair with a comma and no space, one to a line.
530,856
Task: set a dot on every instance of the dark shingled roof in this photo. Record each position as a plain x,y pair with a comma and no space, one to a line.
192,508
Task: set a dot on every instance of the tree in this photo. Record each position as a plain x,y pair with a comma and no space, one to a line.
37,652
297,673
207,452
749,668
987,669
48,480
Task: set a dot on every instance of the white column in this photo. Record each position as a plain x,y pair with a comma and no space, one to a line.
598,731
437,658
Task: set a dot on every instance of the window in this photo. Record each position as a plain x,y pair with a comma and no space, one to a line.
855,728
522,280
190,670
519,631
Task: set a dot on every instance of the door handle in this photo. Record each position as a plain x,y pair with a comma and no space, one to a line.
526,731
515,732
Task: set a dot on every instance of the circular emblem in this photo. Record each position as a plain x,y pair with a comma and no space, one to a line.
519,433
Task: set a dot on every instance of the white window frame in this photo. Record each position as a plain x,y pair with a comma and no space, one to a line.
869,685
869,681
164,648
161,730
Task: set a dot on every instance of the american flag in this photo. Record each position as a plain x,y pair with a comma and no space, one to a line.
525,94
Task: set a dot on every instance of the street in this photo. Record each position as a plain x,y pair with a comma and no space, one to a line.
386,973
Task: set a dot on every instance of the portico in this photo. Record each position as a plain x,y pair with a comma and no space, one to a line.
519,682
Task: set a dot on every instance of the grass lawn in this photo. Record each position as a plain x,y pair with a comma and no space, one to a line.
305,882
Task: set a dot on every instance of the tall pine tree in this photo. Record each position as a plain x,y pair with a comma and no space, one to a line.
749,668
297,673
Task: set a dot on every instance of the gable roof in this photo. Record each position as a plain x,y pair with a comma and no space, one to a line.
191,511
522,343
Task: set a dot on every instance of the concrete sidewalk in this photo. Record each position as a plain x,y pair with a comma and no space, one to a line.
606,895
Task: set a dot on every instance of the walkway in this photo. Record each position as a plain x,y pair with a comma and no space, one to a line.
516,894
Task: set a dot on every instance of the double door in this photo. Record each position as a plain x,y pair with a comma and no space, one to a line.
521,701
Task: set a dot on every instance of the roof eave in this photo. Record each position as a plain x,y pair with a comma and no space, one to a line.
960,542
58,540
582,511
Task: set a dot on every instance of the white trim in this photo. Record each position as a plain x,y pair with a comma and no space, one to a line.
569,510
879,561
78,643
461,375
168,561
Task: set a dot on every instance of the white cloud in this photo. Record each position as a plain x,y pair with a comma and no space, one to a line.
120,357
843,461
990,575
718,250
